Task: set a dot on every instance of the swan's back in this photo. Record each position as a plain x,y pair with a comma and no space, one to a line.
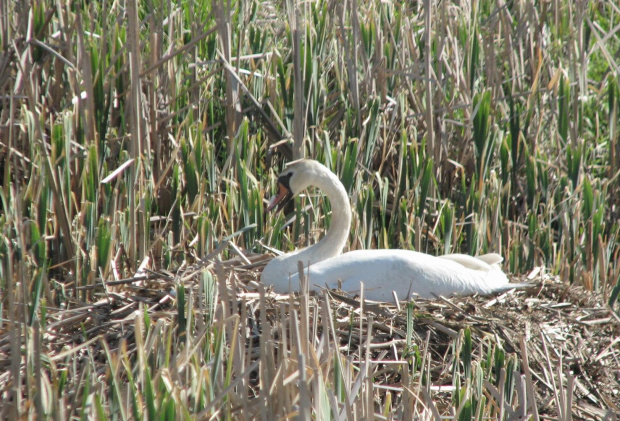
405,272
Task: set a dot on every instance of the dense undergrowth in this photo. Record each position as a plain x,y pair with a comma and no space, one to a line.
145,134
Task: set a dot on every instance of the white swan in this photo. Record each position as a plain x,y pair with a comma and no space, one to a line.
407,273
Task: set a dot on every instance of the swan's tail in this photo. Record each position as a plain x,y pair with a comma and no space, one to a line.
496,281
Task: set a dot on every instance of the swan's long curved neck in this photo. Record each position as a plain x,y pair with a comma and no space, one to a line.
332,243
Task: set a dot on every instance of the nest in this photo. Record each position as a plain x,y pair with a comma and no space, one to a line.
559,333
563,343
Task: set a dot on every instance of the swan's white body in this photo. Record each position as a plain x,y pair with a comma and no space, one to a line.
407,273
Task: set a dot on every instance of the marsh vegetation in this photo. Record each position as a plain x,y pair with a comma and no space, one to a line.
139,140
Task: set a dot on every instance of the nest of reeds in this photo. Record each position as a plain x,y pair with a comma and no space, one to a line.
564,343
552,350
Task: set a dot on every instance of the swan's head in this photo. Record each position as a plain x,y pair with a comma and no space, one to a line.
297,176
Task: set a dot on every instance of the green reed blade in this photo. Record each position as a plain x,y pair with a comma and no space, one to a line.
563,108
425,185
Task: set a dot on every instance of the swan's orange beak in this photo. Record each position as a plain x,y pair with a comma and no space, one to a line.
283,196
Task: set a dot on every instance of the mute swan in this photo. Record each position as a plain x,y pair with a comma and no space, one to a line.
382,271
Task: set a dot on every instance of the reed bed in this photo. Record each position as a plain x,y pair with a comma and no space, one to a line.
139,140
211,342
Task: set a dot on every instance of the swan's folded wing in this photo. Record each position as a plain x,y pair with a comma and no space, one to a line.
469,262
491,258
485,262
